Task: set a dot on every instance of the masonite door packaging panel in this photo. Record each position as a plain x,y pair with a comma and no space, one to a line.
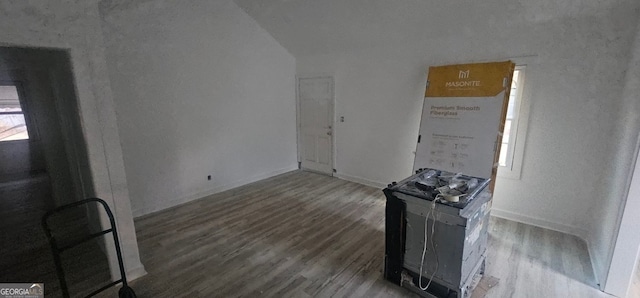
463,114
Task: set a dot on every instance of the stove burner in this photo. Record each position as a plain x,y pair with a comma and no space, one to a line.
450,188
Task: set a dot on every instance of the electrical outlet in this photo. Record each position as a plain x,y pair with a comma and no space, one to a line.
209,177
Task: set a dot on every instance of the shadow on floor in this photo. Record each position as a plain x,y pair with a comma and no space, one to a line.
26,254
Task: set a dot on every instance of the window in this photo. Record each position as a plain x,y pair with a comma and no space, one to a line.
509,160
13,125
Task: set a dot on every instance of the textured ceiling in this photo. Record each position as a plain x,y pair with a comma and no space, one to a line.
313,27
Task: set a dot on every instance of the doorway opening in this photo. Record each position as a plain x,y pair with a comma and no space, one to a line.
43,164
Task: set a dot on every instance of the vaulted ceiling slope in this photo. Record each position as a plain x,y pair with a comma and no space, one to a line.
308,27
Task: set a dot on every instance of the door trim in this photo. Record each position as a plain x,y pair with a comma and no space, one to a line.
333,118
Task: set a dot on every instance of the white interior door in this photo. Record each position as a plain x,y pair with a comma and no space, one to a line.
315,98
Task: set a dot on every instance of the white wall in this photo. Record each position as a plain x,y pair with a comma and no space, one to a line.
380,97
200,89
576,80
74,25
617,214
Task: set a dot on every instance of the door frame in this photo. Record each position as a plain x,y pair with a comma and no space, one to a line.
20,78
625,246
94,106
333,117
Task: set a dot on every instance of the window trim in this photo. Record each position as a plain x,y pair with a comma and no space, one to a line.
518,130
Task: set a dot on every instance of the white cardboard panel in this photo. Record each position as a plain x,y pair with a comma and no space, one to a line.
459,134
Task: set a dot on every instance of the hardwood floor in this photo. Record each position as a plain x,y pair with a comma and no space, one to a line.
535,262
307,235
25,254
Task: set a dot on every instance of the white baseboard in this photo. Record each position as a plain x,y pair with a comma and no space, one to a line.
538,222
135,273
595,264
25,181
190,197
361,180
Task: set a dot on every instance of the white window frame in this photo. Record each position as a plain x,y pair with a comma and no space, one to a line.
518,131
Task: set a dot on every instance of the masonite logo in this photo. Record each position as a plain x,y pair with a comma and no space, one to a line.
469,80
21,290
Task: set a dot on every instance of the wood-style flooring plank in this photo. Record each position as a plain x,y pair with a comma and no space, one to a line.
307,235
